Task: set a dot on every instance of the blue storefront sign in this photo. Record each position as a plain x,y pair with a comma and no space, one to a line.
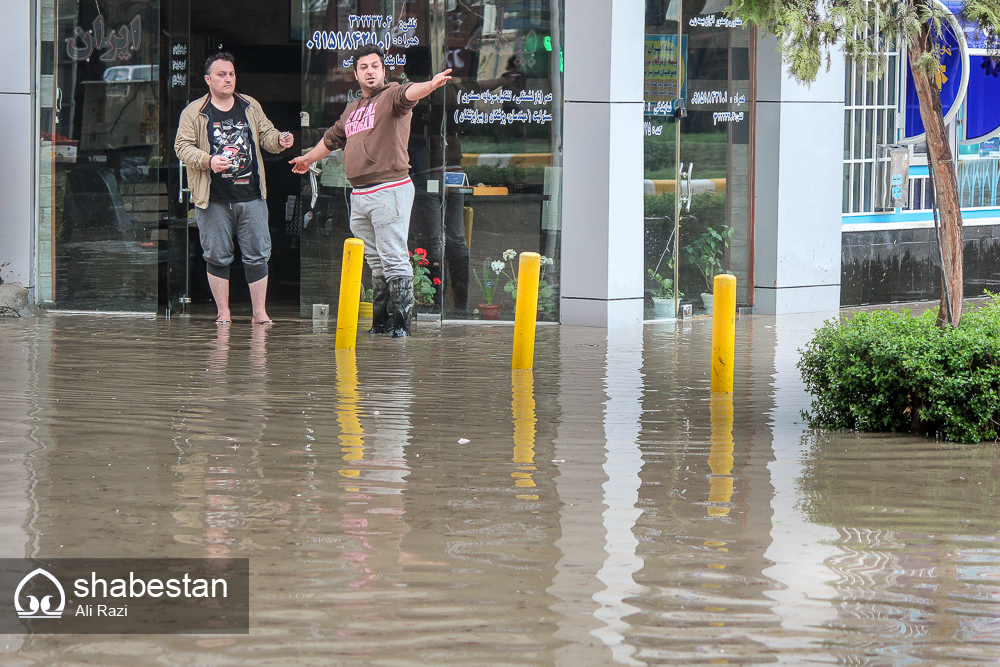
982,103
951,79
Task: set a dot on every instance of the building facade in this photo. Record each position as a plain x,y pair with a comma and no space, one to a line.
642,146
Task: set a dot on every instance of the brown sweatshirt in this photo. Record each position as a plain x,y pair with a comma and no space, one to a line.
373,133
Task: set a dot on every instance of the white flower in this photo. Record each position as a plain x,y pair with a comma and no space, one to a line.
509,254
497,266
546,261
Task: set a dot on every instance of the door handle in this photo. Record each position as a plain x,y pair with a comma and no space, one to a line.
314,171
58,103
182,189
689,193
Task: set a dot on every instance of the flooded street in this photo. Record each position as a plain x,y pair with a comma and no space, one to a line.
417,503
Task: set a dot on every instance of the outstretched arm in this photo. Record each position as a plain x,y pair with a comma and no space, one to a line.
331,140
301,164
418,91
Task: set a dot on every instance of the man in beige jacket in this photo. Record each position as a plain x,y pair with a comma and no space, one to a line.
219,140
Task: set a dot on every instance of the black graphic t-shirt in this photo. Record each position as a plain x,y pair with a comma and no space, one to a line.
229,135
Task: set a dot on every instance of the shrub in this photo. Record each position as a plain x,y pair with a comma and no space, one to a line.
885,371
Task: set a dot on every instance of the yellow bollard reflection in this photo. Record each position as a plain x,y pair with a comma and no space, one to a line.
348,409
720,458
522,406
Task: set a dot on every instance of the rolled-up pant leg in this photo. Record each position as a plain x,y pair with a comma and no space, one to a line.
254,238
216,227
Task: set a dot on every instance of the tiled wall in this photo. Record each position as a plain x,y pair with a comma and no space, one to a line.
903,265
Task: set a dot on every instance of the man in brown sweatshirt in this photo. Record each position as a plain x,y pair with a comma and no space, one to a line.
374,131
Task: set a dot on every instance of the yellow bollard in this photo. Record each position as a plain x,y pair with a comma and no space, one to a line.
723,333
526,310
350,294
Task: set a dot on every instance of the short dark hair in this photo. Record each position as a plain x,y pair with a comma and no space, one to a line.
367,50
221,55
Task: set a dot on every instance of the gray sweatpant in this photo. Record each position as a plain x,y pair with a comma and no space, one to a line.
380,216
247,221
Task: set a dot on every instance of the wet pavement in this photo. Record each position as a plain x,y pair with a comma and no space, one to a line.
606,508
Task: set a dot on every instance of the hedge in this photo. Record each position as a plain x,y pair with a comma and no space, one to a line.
885,371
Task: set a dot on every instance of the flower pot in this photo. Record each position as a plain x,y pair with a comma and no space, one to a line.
365,310
707,299
490,312
663,309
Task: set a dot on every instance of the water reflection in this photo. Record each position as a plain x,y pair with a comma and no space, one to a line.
720,459
622,412
522,407
419,503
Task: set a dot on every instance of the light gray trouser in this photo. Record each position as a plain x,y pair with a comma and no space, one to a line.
380,216
247,221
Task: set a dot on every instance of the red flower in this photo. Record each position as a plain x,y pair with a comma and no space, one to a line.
420,251
436,281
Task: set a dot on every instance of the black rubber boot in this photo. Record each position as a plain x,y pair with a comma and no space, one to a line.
381,313
401,305
458,273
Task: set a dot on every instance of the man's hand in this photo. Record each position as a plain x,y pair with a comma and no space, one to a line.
286,140
220,163
440,79
300,164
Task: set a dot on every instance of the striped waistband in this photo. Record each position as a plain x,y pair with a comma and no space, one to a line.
371,189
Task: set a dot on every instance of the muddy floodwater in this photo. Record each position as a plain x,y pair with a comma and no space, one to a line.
417,503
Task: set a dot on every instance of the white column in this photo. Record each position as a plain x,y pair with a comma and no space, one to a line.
602,220
798,174
17,140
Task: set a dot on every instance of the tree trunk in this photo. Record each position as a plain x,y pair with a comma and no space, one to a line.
945,180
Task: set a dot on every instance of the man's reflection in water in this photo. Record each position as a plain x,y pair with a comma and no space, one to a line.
219,438
429,159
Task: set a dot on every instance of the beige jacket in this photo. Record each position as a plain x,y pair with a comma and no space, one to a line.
192,145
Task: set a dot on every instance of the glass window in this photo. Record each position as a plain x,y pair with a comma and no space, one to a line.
869,123
485,151
101,152
697,162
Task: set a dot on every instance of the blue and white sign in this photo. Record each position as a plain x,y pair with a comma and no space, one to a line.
982,103
952,79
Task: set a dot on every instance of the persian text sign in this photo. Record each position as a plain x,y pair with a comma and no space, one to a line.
664,66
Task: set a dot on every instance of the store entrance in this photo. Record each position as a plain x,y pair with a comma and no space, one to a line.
267,49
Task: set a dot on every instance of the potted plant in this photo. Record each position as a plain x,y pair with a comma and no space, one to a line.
705,253
545,291
365,307
663,296
488,285
424,290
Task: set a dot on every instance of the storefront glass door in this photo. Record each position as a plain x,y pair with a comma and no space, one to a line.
485,151
698,154
102,155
